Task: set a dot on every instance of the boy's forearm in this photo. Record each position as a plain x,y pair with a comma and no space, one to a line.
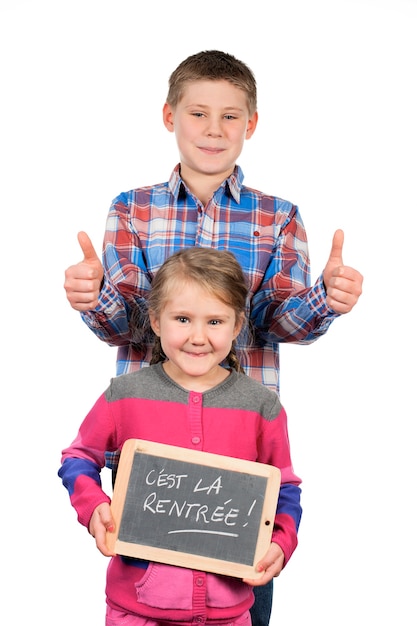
109,321
301,318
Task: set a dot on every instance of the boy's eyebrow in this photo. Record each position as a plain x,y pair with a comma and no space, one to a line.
205,106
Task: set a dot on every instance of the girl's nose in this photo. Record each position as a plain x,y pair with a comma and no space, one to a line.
197,335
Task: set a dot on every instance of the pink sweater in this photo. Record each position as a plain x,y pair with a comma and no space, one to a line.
239,418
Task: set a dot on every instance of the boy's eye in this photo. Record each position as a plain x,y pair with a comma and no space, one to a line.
183,320
230,117
215,322
198,114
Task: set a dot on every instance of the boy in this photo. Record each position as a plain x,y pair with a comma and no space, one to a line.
212,109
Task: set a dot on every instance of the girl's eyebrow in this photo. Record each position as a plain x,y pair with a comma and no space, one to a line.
184,313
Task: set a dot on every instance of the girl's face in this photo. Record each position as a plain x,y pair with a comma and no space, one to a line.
211,123
196,331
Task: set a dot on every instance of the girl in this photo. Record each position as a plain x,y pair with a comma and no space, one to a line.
193,395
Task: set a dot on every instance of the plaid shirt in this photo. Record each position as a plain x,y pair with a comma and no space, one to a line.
265,233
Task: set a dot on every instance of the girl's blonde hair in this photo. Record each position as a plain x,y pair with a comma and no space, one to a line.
216,271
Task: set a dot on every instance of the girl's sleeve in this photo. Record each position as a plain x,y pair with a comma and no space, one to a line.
275,450
82,461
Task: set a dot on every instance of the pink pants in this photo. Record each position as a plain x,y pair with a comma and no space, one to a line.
118,618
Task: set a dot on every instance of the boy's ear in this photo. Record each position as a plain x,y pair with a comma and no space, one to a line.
154,321
252,122
168,117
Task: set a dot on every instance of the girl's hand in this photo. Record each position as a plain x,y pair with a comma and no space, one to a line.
271,566
101,522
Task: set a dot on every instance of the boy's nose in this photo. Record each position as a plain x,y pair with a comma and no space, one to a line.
214,128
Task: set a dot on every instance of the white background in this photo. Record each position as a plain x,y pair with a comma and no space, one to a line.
82,87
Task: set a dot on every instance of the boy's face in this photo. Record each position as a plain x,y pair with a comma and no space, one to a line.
211,123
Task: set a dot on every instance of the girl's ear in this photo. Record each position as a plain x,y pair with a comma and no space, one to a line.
238,325
154,321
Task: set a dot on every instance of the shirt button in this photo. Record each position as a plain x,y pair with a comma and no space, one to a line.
199,582
196,399
196,440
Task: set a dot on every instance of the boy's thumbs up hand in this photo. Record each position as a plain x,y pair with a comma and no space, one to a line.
343,284
83,280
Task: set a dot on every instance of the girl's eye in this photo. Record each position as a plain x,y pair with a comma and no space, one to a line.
215,322
183,320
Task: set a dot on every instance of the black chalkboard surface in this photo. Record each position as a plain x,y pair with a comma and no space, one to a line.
193,509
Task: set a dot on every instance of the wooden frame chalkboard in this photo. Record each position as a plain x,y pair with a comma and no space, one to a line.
193,509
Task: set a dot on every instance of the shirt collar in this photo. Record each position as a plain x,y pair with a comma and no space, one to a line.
233,184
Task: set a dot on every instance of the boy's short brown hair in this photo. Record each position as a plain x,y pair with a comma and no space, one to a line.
212,65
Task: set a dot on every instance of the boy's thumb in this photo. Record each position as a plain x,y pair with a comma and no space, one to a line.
87,247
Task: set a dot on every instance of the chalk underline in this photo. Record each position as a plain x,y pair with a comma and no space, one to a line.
206,532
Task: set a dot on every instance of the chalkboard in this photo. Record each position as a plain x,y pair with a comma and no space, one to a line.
193,509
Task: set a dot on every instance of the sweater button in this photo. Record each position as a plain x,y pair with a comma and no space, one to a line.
196,440
199,582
